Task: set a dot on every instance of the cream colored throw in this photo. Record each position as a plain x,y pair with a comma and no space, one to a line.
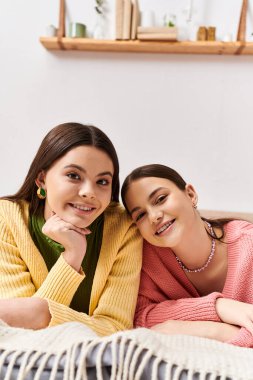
131,352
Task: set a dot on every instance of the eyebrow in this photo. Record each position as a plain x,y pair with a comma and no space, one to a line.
84,171
105,173
149,198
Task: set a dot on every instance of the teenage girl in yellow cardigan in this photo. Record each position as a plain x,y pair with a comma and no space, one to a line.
68,251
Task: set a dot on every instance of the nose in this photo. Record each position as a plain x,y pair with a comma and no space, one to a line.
87,191
88,196
155,216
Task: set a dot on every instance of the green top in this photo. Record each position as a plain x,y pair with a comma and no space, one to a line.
51,250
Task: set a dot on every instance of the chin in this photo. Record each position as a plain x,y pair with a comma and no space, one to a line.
77,222
160,244
82,223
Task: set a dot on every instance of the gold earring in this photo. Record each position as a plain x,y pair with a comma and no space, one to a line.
41,193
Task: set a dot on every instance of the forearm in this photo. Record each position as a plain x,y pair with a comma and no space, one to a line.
222,332
61,283
184,309
28,313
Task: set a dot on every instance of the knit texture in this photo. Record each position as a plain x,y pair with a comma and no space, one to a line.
166,292
23,272
131,353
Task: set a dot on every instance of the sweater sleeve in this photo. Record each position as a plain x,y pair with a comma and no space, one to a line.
116,305
243,339
151,310
15,279
60,284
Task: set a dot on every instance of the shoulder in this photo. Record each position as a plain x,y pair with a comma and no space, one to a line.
239,236
239,227
116,214
13,220
119,226
8,206
11,209
239,230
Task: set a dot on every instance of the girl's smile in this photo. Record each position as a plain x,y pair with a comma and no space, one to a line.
82,209
78,185
164,228
162,212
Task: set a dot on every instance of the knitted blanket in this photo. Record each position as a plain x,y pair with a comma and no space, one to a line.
131,351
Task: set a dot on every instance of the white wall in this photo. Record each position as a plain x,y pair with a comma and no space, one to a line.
193,113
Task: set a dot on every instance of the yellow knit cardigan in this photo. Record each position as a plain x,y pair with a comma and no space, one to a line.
23,272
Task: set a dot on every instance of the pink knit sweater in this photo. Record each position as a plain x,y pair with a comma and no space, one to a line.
166,293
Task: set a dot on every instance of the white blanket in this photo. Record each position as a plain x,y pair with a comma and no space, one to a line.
131,351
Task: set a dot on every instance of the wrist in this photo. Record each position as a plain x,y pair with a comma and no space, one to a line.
72,259
223,332
219,306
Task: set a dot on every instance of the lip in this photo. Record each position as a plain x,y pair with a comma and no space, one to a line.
166,229
79,208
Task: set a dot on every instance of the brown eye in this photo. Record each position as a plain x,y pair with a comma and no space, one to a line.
140,216
74,176
161,199
103,182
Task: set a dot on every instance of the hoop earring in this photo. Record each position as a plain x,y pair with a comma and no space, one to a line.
41,193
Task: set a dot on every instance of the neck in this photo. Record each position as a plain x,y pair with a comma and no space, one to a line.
195,249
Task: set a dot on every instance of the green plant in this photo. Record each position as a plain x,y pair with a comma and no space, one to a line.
171,24
169,20
99,6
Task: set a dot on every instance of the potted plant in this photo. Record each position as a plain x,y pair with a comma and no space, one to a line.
99,29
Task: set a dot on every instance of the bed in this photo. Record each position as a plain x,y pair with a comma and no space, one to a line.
73,352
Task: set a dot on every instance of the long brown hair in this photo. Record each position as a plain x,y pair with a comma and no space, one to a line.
162,171
56,144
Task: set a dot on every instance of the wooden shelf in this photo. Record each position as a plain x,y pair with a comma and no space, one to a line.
186,47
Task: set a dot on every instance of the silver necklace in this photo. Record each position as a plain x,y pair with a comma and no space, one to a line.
208,260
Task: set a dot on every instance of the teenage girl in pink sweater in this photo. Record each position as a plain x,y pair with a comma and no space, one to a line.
197,274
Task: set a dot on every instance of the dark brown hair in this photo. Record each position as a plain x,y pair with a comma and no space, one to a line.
162,171
56,144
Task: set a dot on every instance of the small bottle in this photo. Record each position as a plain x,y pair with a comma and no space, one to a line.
202,33
170,20
211,33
